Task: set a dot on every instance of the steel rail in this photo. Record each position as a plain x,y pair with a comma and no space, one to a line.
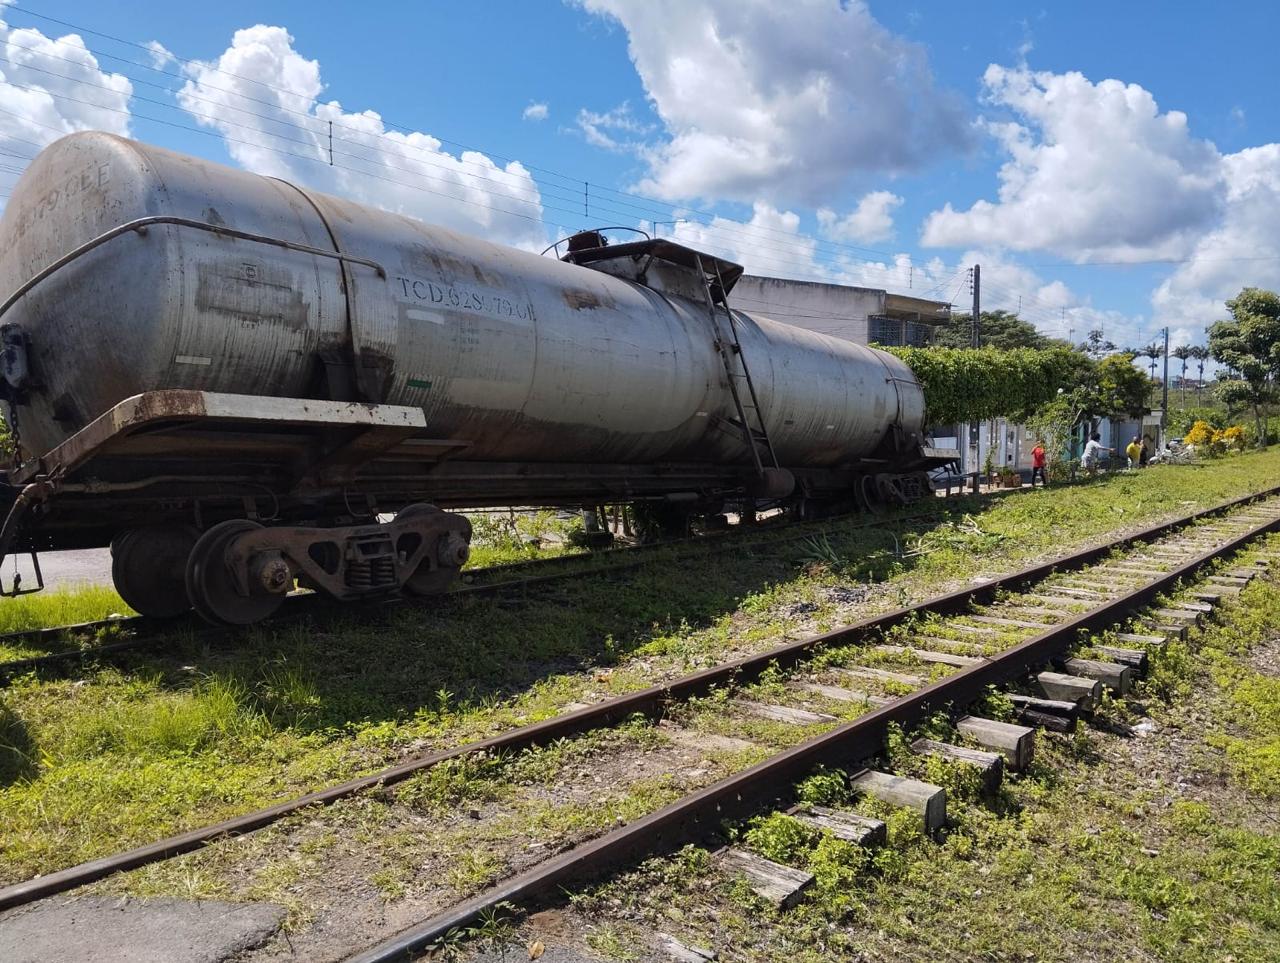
589,560
701,813
585,563
649,702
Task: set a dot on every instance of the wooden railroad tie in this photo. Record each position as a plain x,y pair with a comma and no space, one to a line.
1178,616
841,694
924,655
1059,686
779,885
1056,715
1151,641
1012,623
775,713
928,800
1114,675
989,765
851,827
1135,659
864,672
1016,743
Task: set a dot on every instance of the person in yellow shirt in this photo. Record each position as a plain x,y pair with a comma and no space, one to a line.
1134,451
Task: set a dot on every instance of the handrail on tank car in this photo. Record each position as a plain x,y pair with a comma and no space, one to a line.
611,227
141,224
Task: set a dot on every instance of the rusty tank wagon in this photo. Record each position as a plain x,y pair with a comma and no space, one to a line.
229,379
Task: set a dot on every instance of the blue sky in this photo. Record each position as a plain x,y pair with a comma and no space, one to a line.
843,142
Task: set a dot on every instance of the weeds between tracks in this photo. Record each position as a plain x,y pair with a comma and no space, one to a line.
1164,844
192,736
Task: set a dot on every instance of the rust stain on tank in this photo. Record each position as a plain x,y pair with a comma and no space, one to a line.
583,300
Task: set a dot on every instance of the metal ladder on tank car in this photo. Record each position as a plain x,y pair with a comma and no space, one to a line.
730,349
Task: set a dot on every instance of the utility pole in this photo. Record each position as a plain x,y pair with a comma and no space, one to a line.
975,332
975,341
1164,400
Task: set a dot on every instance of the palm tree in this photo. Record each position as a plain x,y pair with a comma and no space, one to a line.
1182,353
1152,351
1201,354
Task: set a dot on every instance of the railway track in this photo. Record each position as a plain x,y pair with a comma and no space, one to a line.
948,650
1024,636
145,631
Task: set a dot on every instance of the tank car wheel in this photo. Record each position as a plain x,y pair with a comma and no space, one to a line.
869,496
147,565
211,586
891,490
427,580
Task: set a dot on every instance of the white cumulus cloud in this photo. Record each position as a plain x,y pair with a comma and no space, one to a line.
161,56
1092,170
780,102
535,111
50,87
772,243
1243,249
263,97
616,129
871,220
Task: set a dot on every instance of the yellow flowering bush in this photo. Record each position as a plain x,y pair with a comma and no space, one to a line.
1215,442
1201,434
1235,438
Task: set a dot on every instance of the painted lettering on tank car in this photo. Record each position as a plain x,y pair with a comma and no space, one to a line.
91,177
463,298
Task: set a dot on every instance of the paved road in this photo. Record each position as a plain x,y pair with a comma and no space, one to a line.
64,569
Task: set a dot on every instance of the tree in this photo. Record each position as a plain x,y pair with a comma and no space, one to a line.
1095,346
1152,351
999,329
1182,353
1119,389
1201,354
1091,389
1250,344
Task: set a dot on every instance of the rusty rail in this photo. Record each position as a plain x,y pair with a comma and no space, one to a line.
851,738
702,813
301,606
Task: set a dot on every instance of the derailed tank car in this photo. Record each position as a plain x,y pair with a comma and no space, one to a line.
228,378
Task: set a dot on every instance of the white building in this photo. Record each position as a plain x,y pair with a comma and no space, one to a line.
862,315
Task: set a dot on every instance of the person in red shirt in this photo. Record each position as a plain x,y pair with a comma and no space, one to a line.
1038,464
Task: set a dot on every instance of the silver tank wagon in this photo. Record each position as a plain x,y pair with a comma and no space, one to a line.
188,346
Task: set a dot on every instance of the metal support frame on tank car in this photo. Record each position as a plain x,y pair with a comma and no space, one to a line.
203,457
172,465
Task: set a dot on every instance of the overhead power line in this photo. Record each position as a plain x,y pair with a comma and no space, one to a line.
647,203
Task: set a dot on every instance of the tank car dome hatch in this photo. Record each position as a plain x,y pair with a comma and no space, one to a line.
656,263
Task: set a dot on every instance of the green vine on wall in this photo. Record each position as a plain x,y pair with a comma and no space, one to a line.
974,384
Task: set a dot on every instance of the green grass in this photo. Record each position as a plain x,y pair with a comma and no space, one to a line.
1107,849
62,606
185,734
1248,715
500,538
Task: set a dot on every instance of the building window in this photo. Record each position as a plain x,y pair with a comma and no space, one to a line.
896,332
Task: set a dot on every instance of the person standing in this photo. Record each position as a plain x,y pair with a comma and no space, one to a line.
1148,446
1038,464
1092,454
1134,451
